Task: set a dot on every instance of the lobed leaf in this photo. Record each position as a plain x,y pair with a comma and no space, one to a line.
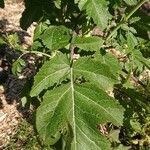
83,107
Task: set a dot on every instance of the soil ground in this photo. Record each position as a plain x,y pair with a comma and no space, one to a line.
10,117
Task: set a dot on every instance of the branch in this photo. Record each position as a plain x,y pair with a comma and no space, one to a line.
126,18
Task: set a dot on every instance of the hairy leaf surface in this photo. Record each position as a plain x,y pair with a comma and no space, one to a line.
83,107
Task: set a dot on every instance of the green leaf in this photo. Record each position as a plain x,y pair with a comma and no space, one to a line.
139,61
112,62
18,66
55,37
131,41
58,3
95,71
13,41
98,10
42,26
134,19
53,71
131,2
2,41
83,107
89,43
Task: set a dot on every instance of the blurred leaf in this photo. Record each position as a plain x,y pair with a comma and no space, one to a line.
2,41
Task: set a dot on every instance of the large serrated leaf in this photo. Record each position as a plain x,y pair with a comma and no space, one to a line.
88,43
56,37
52,72
98,10
83,107
96,72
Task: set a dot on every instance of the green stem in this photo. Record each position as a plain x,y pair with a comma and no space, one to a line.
35,52
41,53
135,9
126,18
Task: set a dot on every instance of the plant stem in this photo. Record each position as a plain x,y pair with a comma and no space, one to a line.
126,18
35,52
72,46
41,53
135,9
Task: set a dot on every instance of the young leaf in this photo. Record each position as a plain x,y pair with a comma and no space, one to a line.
56,37
53,71
83,107
89,43
17,66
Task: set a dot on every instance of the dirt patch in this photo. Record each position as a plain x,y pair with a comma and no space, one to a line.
10,21
10,117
